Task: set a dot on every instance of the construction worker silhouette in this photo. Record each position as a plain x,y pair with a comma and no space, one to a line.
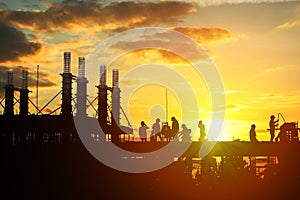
155,130
252,134
202,131
175,128
143,131
273,124
185,134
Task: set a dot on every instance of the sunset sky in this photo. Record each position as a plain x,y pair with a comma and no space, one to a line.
254,45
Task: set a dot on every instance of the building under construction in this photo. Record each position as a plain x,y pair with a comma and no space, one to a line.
43,157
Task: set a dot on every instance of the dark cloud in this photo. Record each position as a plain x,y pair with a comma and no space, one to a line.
148,13
33,6
44,80
14,44
115,16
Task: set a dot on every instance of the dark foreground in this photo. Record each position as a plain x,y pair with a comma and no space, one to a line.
53,171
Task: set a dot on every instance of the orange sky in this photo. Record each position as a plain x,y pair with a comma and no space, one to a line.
253,44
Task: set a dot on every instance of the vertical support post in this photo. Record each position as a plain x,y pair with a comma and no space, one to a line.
115,118
81,89
24,94
66,107
102,100
166,105
116,97
9,95
102,75
37,88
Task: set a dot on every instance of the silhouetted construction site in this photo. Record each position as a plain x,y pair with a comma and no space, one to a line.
43,157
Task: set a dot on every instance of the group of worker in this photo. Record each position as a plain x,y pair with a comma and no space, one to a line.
272,124
173,133
167,133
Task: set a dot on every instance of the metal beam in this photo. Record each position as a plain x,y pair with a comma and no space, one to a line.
49,102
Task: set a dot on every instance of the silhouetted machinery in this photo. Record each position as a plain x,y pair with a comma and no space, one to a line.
33,127
288,132
109,115
166,134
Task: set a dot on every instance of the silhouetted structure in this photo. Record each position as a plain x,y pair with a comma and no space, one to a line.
9,95
41,128
41,156
288,132
66,106
102,101
81,95
110,124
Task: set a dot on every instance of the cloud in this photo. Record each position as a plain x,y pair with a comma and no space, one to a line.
231,107
44,78
287,25
162,49
230,92
170,57
14,44
157,56
293,22
272,69
3,5
205,35
167,44
276,100
129,82
33,6
116,16
205,3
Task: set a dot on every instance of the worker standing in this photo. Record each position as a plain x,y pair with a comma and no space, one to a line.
175,128
252,134
155,131
273,124
202,131
143,131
